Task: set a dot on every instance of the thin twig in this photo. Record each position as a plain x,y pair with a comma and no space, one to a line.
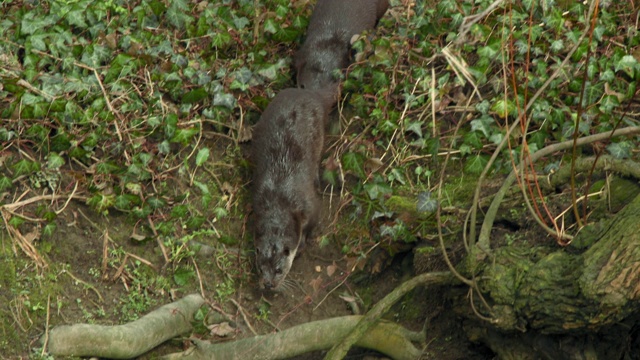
244,316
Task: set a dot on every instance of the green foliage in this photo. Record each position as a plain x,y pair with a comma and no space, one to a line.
394,93
127,102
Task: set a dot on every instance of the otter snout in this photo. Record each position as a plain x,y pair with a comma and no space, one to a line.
274,263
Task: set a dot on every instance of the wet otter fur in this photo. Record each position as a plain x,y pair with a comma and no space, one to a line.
286,152
331,27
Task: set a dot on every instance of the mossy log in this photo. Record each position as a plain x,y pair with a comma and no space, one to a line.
124,341
567,291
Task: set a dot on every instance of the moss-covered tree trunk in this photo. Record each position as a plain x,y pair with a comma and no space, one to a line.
568,291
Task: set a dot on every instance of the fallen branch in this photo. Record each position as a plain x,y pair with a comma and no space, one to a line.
385,337
124,341
339,351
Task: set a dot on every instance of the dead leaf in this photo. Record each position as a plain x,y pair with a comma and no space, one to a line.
354,263
32,235
227,188
137,237
245,133
316,283
221,330
349,299
331,269
111,40
373,164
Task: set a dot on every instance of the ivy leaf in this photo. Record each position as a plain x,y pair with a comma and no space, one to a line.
557,46
271,26
184,136
503,108
426,203
179,211
609,103
220,40
228,240
122,202
377,190
194,96
5,183
54,161
415,127
202,157
6,135
195,222
620,150
164,147
592,93
240,22
483,125
25,167
144,158
203,187
49,229
171,125
156,202
76,18
354,162
496,138
288,34
607,75
16,221
37,41
101,202
627,64
271,72
108,167
176,14
396,175
226,100
182,275
475,164
30,24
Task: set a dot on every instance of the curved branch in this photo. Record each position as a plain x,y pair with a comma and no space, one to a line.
340,350
487,225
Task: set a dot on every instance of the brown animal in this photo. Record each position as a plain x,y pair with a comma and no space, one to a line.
333,23
286,151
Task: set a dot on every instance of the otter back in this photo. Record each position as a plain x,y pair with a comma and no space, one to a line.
326,49
286,152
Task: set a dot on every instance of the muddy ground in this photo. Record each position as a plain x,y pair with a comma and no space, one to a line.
109,269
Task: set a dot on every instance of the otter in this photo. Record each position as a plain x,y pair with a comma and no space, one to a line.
286,153
328,43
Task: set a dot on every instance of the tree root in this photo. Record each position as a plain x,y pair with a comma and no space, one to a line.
385,337
124,341
340,350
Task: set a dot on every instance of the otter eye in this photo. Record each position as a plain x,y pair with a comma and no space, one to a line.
278,271
257,251
286,252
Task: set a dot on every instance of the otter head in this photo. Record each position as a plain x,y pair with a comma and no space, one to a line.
322,66
277,240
